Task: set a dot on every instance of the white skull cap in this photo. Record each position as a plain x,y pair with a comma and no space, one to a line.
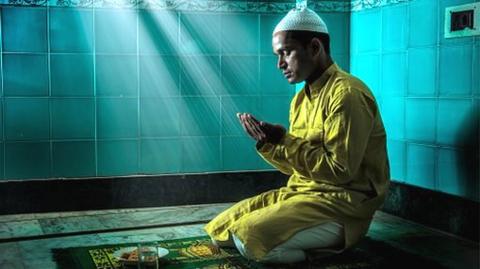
301,19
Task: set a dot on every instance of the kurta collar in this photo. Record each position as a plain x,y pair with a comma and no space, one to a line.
318,84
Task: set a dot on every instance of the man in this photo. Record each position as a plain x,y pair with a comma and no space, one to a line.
334,150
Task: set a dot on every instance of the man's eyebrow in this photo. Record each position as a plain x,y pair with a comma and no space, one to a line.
286,47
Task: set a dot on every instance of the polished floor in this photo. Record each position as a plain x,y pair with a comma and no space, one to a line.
27,240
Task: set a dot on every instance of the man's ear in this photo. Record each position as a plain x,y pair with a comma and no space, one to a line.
317,47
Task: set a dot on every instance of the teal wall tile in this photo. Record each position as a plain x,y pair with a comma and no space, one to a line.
392,110
27,160
421,165
239,153
343,61
454,176
275,109
396,157
422,70
71,74
25,75
236,27
159,76
73,118
219,77
456,122
2,121
233,105
264,165
272,81
420,119
160,117
240,75
160,156
338,29
394,74
200,33
24,29
157,32
73,159
267,24
27,119
423,26
201,154
455,77
71,30
441,31
299,86
115,31
441,85
394,27
200,75
200,116
366,34
116,75
117,118
367,67
2,166
476,70
117,157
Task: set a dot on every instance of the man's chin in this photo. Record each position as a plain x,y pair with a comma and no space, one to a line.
292,80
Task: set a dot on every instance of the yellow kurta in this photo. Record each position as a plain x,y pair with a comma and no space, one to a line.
335,152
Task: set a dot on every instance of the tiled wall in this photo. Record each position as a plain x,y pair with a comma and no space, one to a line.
428,88
90,91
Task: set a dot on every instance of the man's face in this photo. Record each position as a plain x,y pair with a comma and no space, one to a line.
294,60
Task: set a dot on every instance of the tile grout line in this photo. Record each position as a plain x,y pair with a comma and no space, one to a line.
73,214
95,100
98,231
2,175
49,94
139,125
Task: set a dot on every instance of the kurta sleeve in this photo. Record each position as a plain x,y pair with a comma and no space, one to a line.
348,124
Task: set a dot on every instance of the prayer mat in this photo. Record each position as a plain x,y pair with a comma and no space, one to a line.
199,253
185,253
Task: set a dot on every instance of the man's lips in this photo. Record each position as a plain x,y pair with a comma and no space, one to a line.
287,74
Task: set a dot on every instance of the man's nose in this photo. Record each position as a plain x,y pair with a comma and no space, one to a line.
281,64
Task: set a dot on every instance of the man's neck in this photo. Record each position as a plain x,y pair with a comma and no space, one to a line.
319,71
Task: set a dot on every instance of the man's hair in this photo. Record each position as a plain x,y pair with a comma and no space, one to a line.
304,37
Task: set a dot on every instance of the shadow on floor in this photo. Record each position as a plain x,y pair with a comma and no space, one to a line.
369,253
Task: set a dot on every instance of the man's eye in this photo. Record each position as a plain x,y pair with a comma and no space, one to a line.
287,52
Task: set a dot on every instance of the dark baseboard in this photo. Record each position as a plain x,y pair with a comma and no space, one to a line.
442,211
445,212
55,195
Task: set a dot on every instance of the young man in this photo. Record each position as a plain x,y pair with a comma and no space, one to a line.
334,150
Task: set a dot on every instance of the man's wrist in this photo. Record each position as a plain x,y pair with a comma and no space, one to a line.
278,139
260,144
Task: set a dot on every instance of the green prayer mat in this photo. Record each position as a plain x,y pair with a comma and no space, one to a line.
185,253
199,253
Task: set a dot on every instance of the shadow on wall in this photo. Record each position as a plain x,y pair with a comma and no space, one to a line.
159,39
468,138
